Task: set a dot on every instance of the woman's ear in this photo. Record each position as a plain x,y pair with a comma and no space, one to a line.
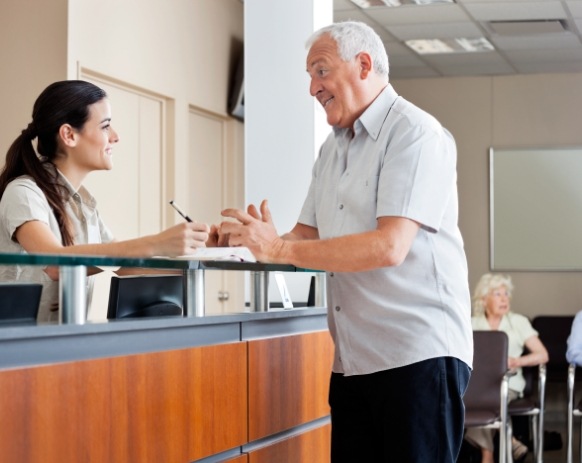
68,135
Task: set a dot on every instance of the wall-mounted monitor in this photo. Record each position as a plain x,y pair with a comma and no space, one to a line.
145,296
236,99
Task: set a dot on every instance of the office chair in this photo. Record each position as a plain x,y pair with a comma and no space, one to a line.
138,296
532,405
553,331
573,413
486,398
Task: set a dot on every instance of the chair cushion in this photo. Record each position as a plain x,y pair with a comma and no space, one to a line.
480,418
522,406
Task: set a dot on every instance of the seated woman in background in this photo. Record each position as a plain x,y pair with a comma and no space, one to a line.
491,311
44,207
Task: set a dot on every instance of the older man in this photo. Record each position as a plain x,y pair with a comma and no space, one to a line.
381,219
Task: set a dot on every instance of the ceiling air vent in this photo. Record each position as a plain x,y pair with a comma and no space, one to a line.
530,27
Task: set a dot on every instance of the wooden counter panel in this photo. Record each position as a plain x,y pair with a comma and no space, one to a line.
288,381
312,446
174,406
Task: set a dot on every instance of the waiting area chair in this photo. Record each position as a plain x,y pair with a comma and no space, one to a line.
574,412
486,398
554,331
532,405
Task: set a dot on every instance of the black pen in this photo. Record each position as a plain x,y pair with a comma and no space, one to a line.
175,206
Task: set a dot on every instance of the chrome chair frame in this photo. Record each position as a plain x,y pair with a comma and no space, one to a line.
535,410
572,413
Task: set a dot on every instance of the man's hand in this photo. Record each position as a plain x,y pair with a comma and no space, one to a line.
256,231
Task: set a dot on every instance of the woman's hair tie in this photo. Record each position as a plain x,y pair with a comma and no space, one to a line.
30,131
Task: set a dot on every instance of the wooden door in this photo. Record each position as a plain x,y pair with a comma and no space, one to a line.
215,162
130,197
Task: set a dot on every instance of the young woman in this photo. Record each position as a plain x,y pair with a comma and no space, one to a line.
44,207
492,311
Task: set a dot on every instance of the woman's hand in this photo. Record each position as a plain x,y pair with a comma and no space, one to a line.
181,239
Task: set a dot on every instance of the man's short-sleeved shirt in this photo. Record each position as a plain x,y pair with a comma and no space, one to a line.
400,162
23,201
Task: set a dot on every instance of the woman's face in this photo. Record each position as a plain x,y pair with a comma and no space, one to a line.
497,302
94,147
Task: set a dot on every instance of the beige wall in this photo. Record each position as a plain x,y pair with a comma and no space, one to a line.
510,111
33,37
183,50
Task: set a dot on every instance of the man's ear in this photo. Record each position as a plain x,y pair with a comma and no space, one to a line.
365,63
68,135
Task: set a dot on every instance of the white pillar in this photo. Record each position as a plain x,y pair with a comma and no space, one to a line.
283,125
280,115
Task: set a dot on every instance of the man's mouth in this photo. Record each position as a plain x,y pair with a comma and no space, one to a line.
326,102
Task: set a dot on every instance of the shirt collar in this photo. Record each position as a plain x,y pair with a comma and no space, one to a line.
372,119
86,197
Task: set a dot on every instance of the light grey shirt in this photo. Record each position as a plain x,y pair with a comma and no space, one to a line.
23,201
400,162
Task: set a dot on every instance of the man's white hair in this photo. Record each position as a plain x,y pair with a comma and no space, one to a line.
353,37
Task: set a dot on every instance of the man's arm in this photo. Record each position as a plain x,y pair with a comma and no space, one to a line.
387,245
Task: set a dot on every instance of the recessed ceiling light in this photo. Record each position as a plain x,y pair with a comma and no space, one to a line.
374,3
459,45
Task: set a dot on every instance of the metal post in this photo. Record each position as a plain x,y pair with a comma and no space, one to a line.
320,289
259,291
73,294
194,293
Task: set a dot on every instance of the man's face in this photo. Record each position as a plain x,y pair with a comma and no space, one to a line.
335,83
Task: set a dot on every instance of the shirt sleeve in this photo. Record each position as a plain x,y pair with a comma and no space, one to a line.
524,328
23,202
418,176
574,350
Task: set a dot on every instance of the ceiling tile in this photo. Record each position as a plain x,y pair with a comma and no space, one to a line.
575,8
436,31
567,40
413,72
505,11
343,5
411,14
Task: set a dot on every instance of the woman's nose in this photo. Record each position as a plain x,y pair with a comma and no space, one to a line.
114,136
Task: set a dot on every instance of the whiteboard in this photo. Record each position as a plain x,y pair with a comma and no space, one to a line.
536,209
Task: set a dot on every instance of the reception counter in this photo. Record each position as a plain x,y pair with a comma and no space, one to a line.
247,387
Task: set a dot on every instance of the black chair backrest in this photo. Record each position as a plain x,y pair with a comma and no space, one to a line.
145,296
19,302
489,366
554,331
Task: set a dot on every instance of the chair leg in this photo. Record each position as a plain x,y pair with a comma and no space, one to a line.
534,433
509,444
